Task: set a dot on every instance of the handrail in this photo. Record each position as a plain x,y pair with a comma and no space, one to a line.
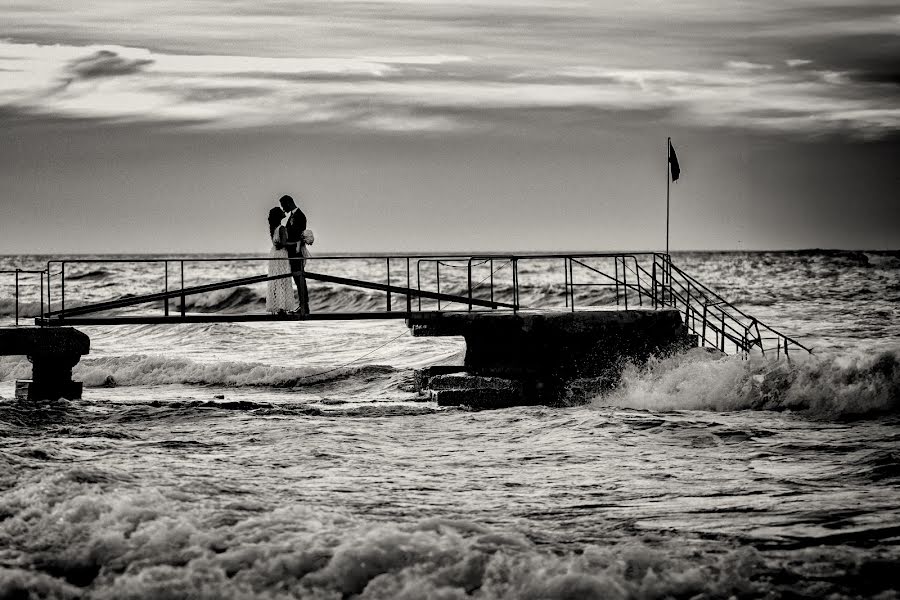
722,300
729,316
17,272
382,256
706,314
202,289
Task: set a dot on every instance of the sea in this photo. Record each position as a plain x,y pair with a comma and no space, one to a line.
295,459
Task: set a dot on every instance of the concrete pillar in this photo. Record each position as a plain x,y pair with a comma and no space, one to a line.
53,353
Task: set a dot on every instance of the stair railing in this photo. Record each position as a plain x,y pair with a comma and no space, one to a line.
716,322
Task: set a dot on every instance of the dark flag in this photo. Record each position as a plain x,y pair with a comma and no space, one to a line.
673,162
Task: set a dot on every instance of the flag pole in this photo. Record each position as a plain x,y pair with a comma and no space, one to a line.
668,178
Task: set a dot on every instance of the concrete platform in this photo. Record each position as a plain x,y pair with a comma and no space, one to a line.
542,352
52,352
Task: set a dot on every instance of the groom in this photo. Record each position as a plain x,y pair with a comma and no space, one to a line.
295,226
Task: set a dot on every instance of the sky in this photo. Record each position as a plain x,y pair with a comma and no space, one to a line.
485,125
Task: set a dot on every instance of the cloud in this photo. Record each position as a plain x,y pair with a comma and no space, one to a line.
427,93
747,65
104,63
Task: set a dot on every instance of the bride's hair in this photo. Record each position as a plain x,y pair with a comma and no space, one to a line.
275,217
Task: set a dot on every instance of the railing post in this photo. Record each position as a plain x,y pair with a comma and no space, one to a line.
687,305
182,289
48,286
166,299
17,297
62,290
303,275
703,335
42,298
637,274
470,283
437,267
625,282
572,282
616,263
408,290
671,286
388,263
722,341
492,282
515,262
665,283
419,281
566,278
653,275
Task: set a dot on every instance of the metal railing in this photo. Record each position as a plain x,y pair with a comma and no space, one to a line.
715,321
17,274
429,282
473,293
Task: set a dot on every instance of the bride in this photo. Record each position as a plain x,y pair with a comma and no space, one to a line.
280,296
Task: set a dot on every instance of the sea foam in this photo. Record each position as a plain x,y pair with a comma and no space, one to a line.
139,369
832,385
71,534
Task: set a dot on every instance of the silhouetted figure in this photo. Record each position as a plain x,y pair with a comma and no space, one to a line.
279,296
294,227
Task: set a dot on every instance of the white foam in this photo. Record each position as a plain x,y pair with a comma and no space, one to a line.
161,370
827,385
83,525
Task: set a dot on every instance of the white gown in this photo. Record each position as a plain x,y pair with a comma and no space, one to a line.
280,293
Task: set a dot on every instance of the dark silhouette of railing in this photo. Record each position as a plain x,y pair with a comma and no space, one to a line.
715,321
481,282
18,273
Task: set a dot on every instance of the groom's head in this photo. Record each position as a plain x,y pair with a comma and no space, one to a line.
287,203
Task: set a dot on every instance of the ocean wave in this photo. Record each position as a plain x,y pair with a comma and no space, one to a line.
836,386
14,367
246,299
160,370
85,533
88,275
71,534
26,309
330,298
223,300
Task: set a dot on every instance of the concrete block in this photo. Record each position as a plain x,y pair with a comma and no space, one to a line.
53,353
544,351
479,398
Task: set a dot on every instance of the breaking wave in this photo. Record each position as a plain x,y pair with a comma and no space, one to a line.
139,369
160,370
828,386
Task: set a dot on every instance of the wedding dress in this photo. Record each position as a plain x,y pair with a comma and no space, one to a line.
280,294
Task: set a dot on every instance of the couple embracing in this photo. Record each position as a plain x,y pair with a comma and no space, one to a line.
290,238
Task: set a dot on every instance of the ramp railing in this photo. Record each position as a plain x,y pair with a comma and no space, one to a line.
423,283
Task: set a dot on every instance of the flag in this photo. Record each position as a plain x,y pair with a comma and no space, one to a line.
673,162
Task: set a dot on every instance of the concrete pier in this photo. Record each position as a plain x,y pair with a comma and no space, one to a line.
538,354
53,353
